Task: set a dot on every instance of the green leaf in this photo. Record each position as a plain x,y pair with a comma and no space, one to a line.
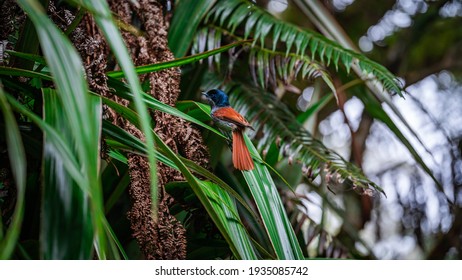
226,211
250,23
257,21
177,62
69,159
17,159
125,141
121,186
216,216
66,228
238,16
293,140
104,20
32,57
118,134
82,112
28,42
273,214
196,110
151,102
137,146
274,65
9,71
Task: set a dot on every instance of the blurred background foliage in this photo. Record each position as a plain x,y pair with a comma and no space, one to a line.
356,107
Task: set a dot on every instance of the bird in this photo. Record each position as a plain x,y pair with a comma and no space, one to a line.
228,119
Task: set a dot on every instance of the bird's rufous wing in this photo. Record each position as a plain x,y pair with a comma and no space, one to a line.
230,115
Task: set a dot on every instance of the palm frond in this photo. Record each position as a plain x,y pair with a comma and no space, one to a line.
186,19
261,26
277,125
267,66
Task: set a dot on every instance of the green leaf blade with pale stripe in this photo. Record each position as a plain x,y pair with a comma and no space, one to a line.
103,18
17,159
271,208
66,228
83,114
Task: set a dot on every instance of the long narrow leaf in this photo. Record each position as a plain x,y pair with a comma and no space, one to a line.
186,18
32,57
272,210
214,198
69,159
67,230
118,134
10,71
199,191
151,102
104,20
226,210
61,147
82,111
177,62
17,158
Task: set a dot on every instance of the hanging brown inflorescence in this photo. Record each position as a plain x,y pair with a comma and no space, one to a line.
166,238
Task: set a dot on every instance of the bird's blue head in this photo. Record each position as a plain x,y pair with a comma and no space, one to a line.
217,98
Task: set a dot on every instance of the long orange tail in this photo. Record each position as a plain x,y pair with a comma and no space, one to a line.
241,156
